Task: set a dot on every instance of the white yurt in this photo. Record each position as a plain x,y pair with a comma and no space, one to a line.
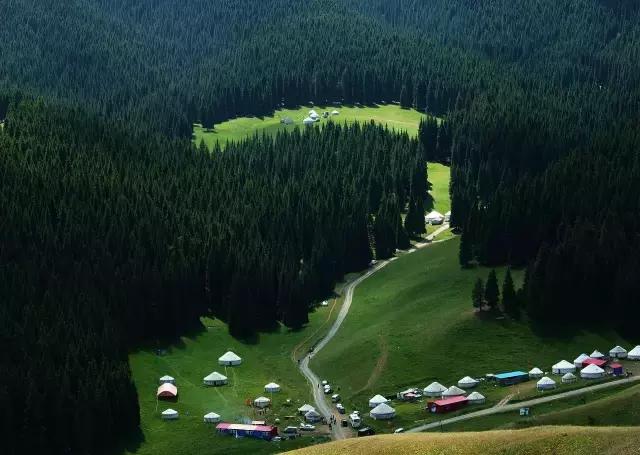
618,352
383,412
169,414
314,116
305,408
272,387
476,398
167,380
453,391
447,216
563,367
597,355
376,400
312,112
312,416
434,389
536,373
634,354
212,417
261,402
546,383
334,112
592,372
578,360
569,378
434,216
467,382
229,359
214,379
308,121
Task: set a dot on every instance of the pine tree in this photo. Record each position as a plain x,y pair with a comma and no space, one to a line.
477,294
509,297
465,254
491,291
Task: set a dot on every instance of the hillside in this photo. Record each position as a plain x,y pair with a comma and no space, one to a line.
536,441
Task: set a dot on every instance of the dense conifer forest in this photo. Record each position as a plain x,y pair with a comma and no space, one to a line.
115,230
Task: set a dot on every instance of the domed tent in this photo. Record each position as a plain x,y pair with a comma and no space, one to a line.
578,361
476,398
312,112
535,373
383,412
453,391
261,402
434,217
272,387
167,380
592,372
212,417
376,400
167,390
335,112
434,389
634,354
215,379
314,116
229,359
169,414
447,216
312,416
569,378
597,355
467,382
305,408
618,352
546,383
308,121
563,367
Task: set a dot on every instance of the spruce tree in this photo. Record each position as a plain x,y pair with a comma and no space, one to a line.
491,291
477,294
509,296
465,254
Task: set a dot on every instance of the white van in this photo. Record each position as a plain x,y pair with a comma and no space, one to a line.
354,420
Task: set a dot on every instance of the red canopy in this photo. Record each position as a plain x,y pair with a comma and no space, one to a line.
615,365
447,401
597,362
167,390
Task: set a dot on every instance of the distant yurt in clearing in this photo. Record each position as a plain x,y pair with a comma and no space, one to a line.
215,379
597,355
312,416
592,372
476,398
434,389
211,417
383,412
229,359
308,121
467,382
578,361
536,373
170,414
376,400
167,391
167,380
569,378
434,217
618,352
546,383
261,402
305,408
272,387
634,354
453,391
563,367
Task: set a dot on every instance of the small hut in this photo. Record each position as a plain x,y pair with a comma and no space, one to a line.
476,398
563,367
272,387
634,354
536,373
592,372
229,359
312,416
467,382
167,391
215,379
546,383
167,380
434,389
376,400
169,414
453,391
569,378
211,417
261,402
383,412
578,360
618,353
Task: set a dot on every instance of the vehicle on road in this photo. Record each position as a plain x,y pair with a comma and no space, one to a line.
340,408
335,398
355,420
399,430
366,431
307,427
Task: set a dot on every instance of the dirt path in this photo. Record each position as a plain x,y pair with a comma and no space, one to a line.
380,364
322,406
528,403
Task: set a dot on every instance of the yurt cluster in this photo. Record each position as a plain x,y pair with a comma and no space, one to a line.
168,390
314,117
442,399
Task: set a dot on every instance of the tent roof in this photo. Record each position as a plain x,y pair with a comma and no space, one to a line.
305,408
435,214
167,378
569,376
272,385
261,400
334,112
618,349
229,357
635,351
581,358
308,120
476,396
167,387
169,412
453,390
596,354
378,399
467,380
435,387
536,370
383,408
312,413
212,415
546,381
564,364
215,376
592,369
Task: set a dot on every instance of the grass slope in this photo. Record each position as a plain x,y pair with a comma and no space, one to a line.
412,323
236,129
536,441
193,358
439,175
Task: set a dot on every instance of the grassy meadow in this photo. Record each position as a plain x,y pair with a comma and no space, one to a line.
239,128
412,323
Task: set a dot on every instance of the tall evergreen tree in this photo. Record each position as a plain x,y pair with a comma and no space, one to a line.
510,301
491,291
477,294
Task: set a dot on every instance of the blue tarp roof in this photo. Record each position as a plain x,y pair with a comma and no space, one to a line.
511,374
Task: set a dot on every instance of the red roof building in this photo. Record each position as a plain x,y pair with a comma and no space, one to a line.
167,390
616,368
447,405
253,431
597,362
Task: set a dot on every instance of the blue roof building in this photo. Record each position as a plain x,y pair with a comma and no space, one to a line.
512,377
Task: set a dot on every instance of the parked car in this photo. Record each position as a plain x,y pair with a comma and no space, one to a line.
340,408
335,397
344,423
307,427
366,432
399,430
276,439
